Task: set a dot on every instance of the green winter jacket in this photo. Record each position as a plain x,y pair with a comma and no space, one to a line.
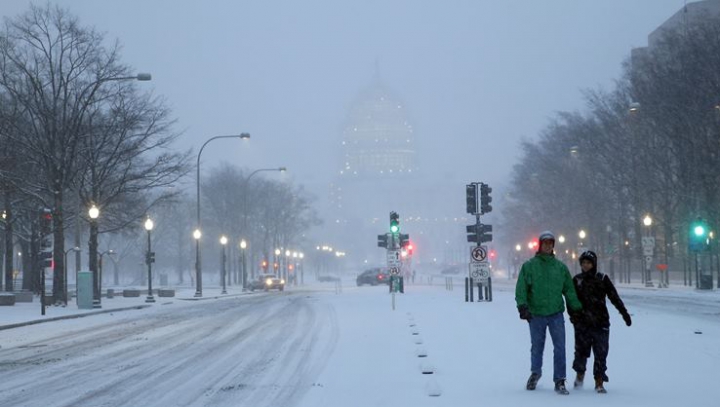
541,285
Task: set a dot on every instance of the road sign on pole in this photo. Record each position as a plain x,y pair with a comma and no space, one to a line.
480,272
478,254
393,258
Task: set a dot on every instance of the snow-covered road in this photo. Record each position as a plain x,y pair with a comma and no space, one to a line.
256,351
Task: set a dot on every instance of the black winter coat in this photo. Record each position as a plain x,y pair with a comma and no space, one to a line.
592,288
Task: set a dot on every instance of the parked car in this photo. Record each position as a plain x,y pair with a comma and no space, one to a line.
267,282
373,277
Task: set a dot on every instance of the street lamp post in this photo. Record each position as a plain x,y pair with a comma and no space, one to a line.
648,247
94,212
276,263
198,266
65,282
223,242
243,246
149,259
100,264
301,264
582,236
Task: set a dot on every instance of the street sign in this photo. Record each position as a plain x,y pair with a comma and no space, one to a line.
480,272
394,270
648,259
393,258
647,250
478,254
648,241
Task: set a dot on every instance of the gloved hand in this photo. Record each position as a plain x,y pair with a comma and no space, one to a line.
575,317
524,313
626,318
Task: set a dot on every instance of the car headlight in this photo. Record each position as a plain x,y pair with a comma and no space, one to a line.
268,281
282,281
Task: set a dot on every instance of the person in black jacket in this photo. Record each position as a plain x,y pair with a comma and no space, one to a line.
592,325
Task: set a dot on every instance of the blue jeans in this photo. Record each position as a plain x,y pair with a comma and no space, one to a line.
556,324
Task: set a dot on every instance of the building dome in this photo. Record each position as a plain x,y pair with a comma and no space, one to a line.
377,139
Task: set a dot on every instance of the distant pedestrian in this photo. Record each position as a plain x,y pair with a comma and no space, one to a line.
592,326
541,286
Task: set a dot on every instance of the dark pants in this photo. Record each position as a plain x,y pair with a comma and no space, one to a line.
597,340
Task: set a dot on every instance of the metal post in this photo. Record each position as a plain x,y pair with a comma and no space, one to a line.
93,262
150,297
224,271
244,271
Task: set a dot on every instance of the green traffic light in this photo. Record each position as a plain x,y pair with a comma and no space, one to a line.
394,228
699,230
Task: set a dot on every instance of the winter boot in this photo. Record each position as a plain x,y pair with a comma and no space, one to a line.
532,381
579,380
560,387
599,385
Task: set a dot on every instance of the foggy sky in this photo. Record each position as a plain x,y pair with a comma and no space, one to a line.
475,76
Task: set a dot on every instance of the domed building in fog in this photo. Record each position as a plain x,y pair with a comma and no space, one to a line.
379,171
377,139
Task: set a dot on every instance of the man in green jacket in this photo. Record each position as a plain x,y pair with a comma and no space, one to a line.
541,286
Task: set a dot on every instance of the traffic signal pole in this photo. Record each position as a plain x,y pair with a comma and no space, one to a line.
478,233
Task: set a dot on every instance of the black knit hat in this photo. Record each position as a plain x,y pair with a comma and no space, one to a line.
588,255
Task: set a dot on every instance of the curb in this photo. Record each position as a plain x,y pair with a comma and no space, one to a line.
39,321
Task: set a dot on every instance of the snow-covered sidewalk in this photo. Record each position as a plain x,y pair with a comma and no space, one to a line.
24,313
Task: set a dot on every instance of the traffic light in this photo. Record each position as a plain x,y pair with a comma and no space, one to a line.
471,198
479,233
46,243
485,233
46,259
404,240
45,222
485,198
698,239
382,241
410,248
394,223
472,233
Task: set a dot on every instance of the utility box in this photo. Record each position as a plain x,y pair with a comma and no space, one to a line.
705,282
84,290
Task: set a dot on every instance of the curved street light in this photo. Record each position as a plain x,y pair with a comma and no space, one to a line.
198,266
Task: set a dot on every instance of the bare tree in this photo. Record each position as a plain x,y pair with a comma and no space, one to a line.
63,80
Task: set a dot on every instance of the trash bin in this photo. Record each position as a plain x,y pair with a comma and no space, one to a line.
705,282
110,292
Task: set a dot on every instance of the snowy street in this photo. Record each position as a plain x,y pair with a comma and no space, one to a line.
254,351
316,346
